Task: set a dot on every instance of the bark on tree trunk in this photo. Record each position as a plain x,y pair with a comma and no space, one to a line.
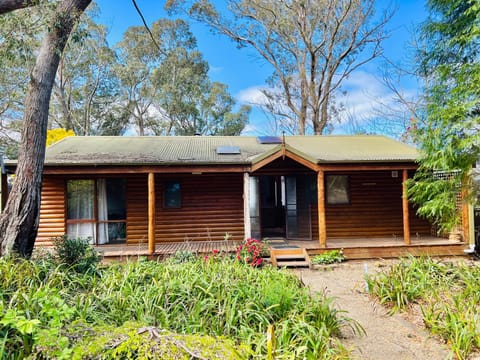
19,221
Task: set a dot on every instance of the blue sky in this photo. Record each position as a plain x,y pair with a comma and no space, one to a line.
244,72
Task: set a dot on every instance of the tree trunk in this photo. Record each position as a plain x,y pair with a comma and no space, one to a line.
19,221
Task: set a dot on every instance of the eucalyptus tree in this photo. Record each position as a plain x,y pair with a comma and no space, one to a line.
166,87
17,56
86,88
19,220
312,45
450,135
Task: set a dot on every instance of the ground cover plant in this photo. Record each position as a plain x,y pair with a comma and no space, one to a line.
48,310
328,257
448,294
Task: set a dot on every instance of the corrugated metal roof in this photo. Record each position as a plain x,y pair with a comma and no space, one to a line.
170,150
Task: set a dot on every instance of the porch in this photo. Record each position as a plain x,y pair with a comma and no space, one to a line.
358,248
387,247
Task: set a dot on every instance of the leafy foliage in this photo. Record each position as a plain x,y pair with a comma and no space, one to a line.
167,88
250,252
449,296
47,311
329,257
450,136
76,253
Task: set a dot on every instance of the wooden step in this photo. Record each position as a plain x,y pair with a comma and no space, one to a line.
294,257
303,263
290,257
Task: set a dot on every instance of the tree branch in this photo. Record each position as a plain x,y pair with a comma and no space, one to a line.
11,5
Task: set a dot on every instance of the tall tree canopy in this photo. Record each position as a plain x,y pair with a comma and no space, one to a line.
166,87
312,45
85,92
450,135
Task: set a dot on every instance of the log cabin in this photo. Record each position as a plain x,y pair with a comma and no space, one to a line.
317,192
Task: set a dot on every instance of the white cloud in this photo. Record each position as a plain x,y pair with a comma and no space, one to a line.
251,95
366,96
250,129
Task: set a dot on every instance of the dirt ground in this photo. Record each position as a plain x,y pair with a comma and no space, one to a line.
387,337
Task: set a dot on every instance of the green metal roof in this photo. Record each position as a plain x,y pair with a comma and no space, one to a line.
195,150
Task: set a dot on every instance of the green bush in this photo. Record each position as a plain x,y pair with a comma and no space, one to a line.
328,257
448,294
76,253
43,307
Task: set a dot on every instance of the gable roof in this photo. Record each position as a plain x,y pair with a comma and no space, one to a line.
196,150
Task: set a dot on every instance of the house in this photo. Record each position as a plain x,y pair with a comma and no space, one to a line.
318,192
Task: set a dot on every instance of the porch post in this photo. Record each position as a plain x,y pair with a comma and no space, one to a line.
151,213
246,206
465,218
322,226
406,218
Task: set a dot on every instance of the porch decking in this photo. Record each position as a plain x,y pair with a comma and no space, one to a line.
123,251
372,248
362,248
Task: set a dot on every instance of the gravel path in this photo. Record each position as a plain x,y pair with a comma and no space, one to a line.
387,337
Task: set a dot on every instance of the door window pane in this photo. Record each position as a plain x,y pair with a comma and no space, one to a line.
116,189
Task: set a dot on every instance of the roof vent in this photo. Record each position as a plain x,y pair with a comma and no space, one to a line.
228,150
269,139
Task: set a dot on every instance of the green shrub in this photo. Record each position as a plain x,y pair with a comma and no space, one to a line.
182,256
132,341
448,294
407,282
328,257
76,253
43,306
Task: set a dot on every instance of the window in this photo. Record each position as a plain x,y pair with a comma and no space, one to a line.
172,197
96,209
337,190
80,209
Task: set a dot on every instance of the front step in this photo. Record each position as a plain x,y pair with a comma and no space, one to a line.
294,257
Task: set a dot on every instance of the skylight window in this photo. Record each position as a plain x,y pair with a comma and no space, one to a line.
269,139
228,150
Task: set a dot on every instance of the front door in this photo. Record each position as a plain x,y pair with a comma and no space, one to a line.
299,197
272,206
280,206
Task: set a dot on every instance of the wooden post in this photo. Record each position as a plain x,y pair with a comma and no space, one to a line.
465,218
322,225
406,218
151,213
246,206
